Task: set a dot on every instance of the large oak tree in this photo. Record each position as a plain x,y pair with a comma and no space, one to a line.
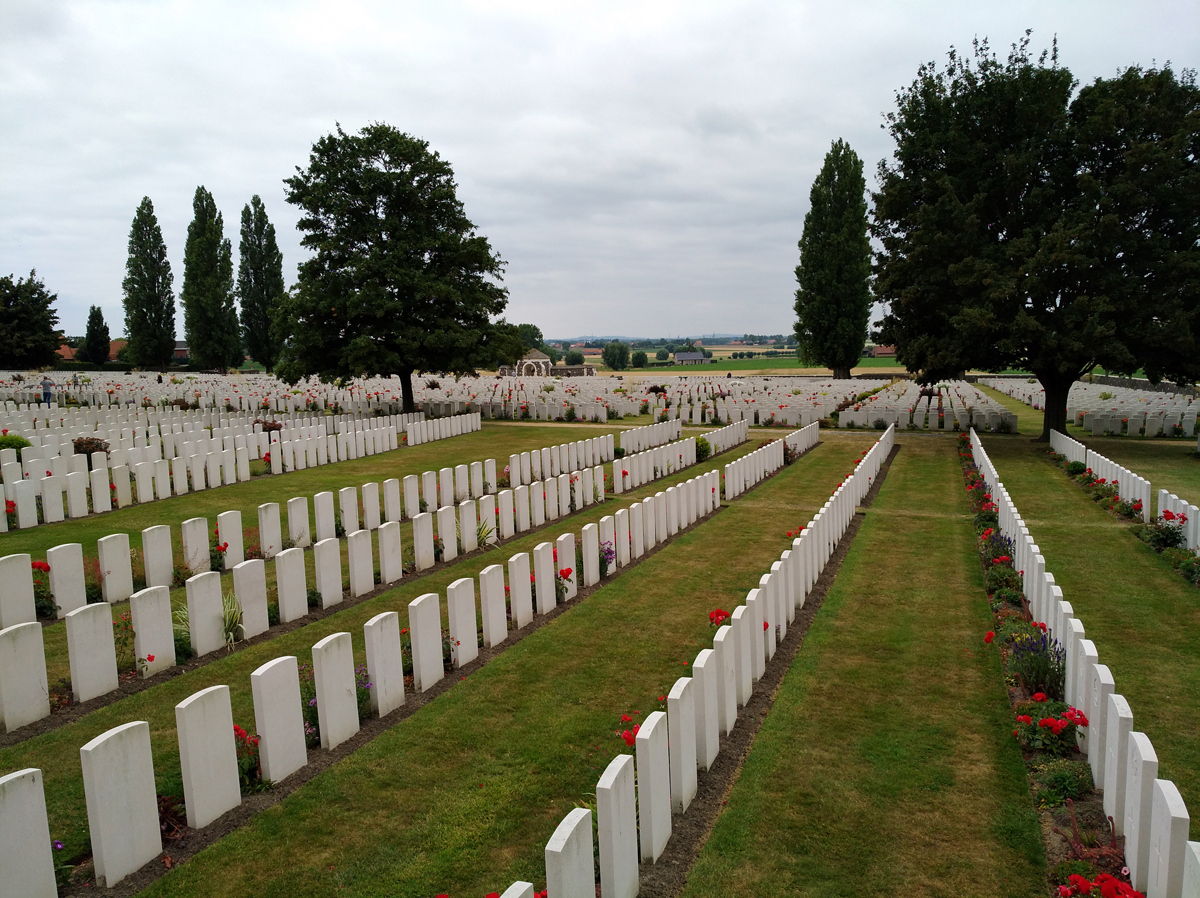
399,280
1027,224
29,337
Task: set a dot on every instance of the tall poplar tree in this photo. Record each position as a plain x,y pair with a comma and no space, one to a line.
96,343
260,283
833,302
209,315
149,297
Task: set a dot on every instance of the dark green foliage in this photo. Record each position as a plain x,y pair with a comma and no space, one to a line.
986,519
1075,468
531,336
703,449
259,283
183,647
638,359
1023,228
209,316
1009,596
833,302
573,357
1000,576
149,297
1061,779
96,343
662,355
314,598
399,280
616,355
28,323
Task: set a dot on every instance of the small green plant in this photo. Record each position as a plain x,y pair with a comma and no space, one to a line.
314,598
703,449
571,415
1000,576
231,620
879,424
1061,779
1075,468
1037,661
181,630
14,441
483,533
249,762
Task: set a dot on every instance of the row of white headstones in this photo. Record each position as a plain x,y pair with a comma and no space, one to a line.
161,478
90,643
1132,487
118,771
636,796
1149,812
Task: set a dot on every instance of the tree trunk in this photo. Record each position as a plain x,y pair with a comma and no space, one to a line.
406,389
841,373
1054,411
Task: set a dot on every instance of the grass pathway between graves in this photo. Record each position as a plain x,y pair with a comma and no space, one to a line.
462,797
886,765
497,440
1142,615
57,752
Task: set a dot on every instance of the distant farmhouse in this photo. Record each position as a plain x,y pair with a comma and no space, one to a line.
690,358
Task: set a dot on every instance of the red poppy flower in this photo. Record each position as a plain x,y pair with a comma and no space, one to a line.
1039,696
989,637
149,657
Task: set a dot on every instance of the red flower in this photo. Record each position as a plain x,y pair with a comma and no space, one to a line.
629,738
662,698
149,657
1082,886
1024,718
1039,696
989,637
625,718
766,626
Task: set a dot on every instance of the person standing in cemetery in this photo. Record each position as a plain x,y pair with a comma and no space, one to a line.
47,388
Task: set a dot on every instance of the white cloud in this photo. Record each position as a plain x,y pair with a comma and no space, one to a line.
643,168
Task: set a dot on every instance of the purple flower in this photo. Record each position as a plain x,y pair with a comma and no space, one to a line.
58,846
312,702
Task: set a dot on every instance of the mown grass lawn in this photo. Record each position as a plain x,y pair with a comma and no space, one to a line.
57,753
461,797
886,766
497,440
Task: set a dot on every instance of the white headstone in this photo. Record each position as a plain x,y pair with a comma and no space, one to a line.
493,609
1139,796
24,695
278,718
1169,826
92,652
616,824
207,755
520,594
327,571
460,612
16,590
337,699
153,630
425,631
291,584
26,861
571,857
681,719
205,613
250,587
122,804
362,565
385,664
116,569
653,786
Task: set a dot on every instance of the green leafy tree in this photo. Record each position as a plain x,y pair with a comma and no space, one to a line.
1023,227
399,280
148,293
574,357
833,301
96,343
259,283
662,355
616,355
28,322
209,315
531,336
638,359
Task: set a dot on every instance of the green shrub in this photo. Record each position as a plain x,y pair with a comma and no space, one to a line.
14,441
1075,468
986,519
703,449
1039,663
1061,779
314,598
1001,576
1008,596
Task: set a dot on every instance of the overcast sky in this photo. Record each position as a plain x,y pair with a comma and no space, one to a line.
643,168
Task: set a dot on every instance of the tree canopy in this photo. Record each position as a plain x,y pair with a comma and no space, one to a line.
148,294
399,280
260,285
28,323
96,344
210,317
616,355
1024,225
833,301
